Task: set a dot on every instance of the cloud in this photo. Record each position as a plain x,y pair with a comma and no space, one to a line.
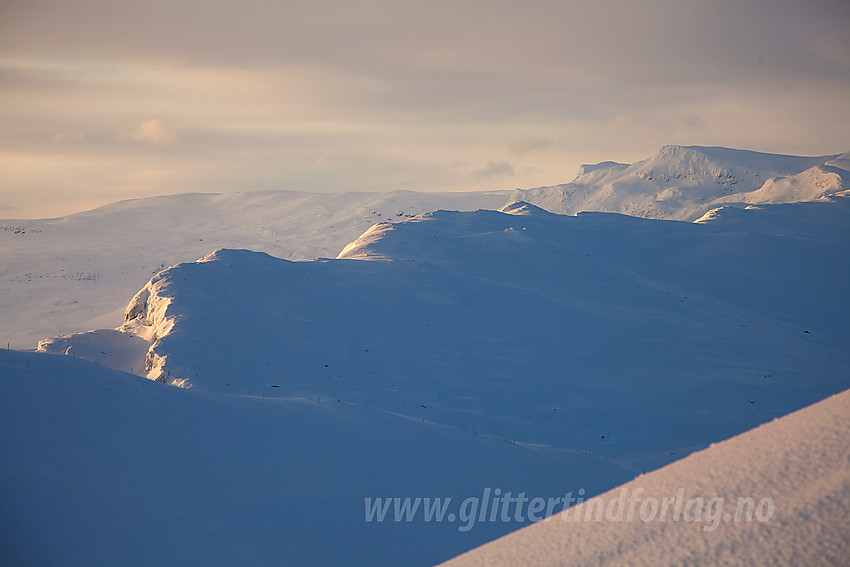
832,44
495,169
529,145
69,136
392,94
152,131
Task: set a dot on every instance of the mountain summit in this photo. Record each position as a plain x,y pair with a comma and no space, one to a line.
685,182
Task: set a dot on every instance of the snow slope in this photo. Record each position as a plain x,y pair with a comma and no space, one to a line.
801,462
639,340
102,468
685,182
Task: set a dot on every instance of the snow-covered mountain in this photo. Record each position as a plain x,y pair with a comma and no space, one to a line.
685,182
796,470
73,274
327,356
517,323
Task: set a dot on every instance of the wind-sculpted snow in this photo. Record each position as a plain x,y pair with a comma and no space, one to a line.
636,339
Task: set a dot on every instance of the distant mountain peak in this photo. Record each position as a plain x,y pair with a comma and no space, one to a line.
685,182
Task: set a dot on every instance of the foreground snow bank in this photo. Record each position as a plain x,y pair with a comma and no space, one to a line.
102,468
796,470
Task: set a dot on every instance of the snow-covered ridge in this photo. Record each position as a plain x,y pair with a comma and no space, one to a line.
72,274
492,321
75,273
147,317
393,246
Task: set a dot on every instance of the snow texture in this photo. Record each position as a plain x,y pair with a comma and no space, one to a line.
801,461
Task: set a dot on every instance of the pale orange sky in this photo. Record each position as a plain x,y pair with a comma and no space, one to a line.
105,100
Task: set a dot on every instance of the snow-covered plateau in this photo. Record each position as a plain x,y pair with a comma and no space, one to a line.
243,375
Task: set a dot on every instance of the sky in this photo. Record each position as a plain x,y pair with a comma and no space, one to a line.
103,100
